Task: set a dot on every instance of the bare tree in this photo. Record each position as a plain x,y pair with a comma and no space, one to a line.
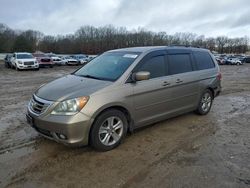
95,40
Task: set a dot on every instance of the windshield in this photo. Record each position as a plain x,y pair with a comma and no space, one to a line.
39,55
24,56
51,55
81,56
108,66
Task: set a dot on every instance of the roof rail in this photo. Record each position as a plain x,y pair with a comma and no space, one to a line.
180,45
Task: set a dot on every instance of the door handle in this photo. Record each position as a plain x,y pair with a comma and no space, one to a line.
178,81
165,83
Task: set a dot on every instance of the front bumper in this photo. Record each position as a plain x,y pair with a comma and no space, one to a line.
58,62
69,130
28,66
43,64
72,63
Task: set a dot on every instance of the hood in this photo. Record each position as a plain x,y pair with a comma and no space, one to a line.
56,58
43,58
69,87
26,60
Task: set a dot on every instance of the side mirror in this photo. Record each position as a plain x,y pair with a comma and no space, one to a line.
142,75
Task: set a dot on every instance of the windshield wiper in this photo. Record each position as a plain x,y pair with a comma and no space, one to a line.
93,77
90,76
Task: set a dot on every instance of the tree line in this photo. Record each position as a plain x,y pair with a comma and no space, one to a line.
95,40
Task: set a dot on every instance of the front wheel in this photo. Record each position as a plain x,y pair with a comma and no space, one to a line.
17,69
205,103
108,130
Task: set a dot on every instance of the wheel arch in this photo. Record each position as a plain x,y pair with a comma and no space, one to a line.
212,91
117,107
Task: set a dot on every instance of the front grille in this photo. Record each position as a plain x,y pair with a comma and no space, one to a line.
29,63
45,60
38,105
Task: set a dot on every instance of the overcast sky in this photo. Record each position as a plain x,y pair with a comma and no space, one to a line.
208,17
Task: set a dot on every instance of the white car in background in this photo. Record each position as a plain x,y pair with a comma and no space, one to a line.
81,58
234,61
56,60
24,60
69,60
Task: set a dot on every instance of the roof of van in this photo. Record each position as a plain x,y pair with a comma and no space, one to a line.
149,48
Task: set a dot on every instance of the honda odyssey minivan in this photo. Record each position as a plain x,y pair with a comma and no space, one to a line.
122,90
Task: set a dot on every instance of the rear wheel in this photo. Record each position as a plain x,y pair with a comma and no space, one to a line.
108,130
205,103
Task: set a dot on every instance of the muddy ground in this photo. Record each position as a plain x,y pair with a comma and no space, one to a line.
186,151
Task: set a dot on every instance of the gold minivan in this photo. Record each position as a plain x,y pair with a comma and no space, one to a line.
122,90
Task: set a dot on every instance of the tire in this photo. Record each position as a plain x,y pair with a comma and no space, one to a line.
103,135
51,66
205,103
17,69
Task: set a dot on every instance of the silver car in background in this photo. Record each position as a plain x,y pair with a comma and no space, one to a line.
122,90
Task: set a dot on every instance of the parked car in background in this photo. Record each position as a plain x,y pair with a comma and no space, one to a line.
220,61
69,61
81,58
246,59
234,61
7,60
90,57
122,90
56,60
43,60
24,60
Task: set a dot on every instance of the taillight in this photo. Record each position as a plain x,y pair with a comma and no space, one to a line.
219,76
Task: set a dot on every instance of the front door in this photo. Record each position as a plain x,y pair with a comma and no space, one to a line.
149,96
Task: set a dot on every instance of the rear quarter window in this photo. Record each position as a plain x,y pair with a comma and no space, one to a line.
203,60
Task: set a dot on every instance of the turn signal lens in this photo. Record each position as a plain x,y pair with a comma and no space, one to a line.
82,101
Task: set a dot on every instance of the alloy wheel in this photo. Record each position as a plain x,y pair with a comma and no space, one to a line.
111,131
206,102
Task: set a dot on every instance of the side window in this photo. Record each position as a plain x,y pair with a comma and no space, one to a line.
179,63
155,65
203,60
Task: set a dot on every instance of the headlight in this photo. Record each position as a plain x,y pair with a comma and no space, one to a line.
70,107
19,62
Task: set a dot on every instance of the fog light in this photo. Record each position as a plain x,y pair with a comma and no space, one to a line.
61,136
